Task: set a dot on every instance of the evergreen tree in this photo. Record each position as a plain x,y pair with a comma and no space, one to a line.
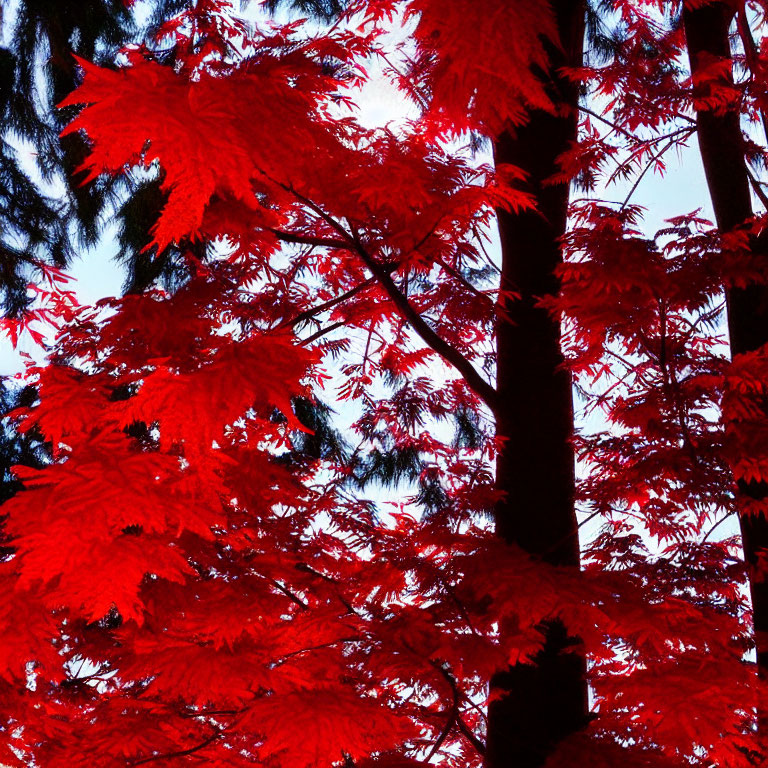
17,449
48,211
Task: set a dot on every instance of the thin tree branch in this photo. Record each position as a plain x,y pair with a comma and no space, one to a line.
470,736
756,186
488,259
180,753
473,379
212,713
319,242
458,276
282,588
450,722
308,314
752,56
608,122
419,97
283,659
457,696
322,332
727,516
650,163
462,609
367,346
343,600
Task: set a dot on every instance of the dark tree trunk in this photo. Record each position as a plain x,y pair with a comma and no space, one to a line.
722,153
541,704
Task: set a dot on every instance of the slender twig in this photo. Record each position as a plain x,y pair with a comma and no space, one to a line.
367,346
343,600
470,736
462,608
453,714
756,186
321,646
716,525
181,752
287,592
449,723
752,55
456,274
568,536
480,711
457,696
423,102
650,163
473,379
322,332
308,314
295,237
609,123
212,713
671,384
488,259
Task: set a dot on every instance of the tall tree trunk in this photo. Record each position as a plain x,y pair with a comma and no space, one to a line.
537,706
722,153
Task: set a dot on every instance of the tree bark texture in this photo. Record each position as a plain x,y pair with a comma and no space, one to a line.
538,705
722,154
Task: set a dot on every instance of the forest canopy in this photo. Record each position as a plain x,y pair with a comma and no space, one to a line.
405,443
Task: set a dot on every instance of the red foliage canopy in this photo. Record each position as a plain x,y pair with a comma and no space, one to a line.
190,580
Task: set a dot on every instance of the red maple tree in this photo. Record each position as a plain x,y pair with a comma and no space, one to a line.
196,578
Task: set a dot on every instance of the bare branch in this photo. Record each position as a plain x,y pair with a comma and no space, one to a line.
453,714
